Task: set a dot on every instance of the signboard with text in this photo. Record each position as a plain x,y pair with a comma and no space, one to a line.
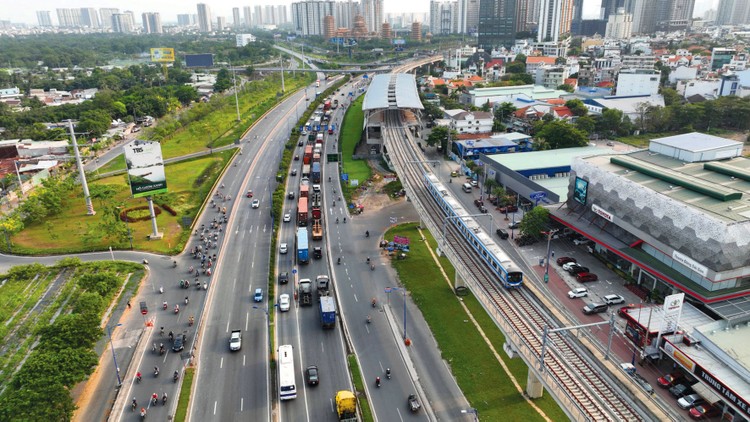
145,168
162,55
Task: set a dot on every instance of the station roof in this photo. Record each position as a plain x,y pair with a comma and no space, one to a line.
392,90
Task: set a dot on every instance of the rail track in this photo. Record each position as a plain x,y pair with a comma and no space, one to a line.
588,394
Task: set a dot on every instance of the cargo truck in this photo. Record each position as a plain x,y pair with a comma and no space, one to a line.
323,284
307,157
317,230
346,406
306,170
305,292
302,211
316,172
303,252
327,312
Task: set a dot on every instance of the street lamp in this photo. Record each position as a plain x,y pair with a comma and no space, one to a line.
549,240
114,356
268,320
473,411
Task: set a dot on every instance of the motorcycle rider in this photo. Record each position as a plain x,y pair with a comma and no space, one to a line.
156,371
377,381
138,377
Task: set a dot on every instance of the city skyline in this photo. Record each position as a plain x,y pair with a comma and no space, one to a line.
169,9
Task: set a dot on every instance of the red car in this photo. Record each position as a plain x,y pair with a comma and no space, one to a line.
670,379
564,260
585,276
704,411
249,194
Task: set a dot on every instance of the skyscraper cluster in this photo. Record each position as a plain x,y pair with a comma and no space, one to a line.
308,16
733,12
104,19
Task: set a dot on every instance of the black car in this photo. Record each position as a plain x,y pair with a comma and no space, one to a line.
482,209
317,252
578,269
680,390
178,344
502,233
283,277
300,143
311,374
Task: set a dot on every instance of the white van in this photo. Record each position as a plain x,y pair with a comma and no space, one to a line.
466,187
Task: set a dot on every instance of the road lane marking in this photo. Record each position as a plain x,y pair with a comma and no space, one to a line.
399,414
247,320
215,407
221,363
355,298
244,358
242,403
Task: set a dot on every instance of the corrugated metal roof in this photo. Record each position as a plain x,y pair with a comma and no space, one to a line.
696,142
392,90
546,159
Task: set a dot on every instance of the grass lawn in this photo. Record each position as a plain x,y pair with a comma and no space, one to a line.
117,163
351,132
185,392
188,183
480,376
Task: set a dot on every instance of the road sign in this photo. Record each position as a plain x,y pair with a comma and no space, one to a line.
537,195
294,271
388,289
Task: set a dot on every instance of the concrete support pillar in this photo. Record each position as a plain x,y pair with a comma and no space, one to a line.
534,387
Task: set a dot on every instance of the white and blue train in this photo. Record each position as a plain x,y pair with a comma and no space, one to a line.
510,276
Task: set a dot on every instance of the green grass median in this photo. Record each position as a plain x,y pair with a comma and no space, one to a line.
479,374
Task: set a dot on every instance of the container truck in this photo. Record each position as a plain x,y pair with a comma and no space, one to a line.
327,312
303,252
305,292
346,406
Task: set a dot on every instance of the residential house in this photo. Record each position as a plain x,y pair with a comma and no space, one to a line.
470,121
551,76
533,63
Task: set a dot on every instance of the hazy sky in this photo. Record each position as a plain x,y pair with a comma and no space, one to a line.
170,8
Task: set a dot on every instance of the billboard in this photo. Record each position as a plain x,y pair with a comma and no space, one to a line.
581,190
199,60
162,55
145,168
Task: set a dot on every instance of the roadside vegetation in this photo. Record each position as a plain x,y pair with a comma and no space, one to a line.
480,376
351,135
51,320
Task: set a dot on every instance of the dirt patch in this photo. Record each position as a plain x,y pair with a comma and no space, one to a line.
372,196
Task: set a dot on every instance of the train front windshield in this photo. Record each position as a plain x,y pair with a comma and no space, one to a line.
515,277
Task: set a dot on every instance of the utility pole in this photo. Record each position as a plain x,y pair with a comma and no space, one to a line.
281,62
81,172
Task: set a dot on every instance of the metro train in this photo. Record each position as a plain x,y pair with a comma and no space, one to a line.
508,273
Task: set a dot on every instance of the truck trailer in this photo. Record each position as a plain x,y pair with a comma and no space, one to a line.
303,250
327,312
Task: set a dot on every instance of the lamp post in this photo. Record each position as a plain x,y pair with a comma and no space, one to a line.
268,323
549,240
473,411
114,356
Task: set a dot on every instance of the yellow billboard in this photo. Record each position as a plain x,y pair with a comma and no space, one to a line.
162,55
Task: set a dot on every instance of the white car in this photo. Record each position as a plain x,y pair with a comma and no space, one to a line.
581,241
283,248
578,292
287,217
284,302
613,299
569,266
256,203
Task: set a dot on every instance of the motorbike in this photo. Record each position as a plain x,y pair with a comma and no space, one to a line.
175,377
154,400
138,377
374,302
156,372
133,405
174,264
162,350
372,267
143,413
164,399
176,309
164,305
388,373
338,262
186,300
190,321
377,382
369,320
367,233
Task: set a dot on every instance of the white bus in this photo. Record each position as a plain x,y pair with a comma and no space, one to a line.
287,386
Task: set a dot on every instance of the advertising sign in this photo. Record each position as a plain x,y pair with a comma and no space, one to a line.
677,355
690,263
601,212
162,55
145,168
725,392
672,308
199,60
581,191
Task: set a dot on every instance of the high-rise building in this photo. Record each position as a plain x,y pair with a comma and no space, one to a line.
386,32
526,20
152,23
307,16
674,14
44,18
555,18
258,16
221,23
416,31
471,11
497,23
122,23
644,15
183,19
248,16
619,25
372,11
733,12
343,14
236,17
90,17
205,21
105,16
444,17
69,18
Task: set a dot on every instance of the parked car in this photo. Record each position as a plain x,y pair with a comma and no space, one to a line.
564,260
680,390
691,400
284,302
670,379
508,208
474,184
578,269
704,411
514,225
643,383
578,292
482,209
595,308
502,233
283,248
283,277
614,299
569,265
585,277
311,375
258,296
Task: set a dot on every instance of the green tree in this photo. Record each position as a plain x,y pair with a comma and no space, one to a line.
515,67
610,121
223,80
439,136
561,134
586,124
566,87
94,123
535,222
671,96
577,107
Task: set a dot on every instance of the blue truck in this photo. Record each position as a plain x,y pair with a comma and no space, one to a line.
327,312
316,172
303,252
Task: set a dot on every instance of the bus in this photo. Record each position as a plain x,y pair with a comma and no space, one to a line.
287,385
